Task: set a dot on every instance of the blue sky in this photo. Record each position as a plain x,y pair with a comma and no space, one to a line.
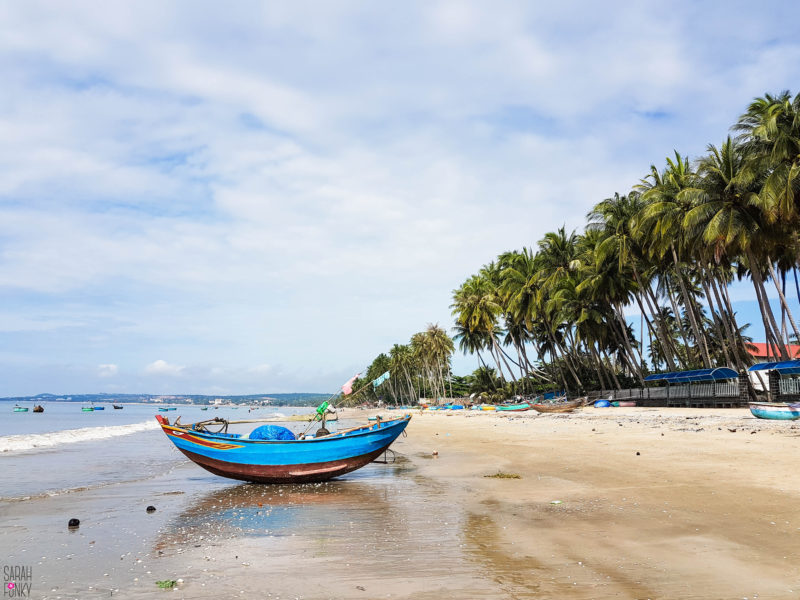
262,197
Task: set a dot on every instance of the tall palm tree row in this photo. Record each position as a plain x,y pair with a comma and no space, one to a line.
554,314
419,369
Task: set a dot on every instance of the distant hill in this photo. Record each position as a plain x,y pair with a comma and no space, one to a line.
293,399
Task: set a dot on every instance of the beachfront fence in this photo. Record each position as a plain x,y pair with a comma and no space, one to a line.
679,394
789,387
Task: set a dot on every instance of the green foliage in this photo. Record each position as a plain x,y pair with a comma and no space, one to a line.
501,475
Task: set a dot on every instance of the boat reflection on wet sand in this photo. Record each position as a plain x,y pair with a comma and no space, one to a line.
383,524
251,510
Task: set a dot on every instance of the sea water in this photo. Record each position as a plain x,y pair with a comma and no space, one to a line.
64,450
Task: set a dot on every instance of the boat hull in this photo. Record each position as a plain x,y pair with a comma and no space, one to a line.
303,473
775,411
557,408
291,461
514,407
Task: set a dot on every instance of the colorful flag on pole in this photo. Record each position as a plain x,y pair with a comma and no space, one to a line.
347,388
380,380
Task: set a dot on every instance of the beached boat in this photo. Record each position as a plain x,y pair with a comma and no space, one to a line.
38,408
488,407
558,407
513,407
775,410
20,409
283,461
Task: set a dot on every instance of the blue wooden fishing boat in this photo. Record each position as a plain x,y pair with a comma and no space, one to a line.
236,456
513,407
775,410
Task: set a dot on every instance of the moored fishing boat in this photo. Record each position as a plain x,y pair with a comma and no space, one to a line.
19,408
87,409
117,407
99,407
282,460
775,410
513,407
38,408
558,407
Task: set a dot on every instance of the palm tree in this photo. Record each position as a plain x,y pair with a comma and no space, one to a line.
660,223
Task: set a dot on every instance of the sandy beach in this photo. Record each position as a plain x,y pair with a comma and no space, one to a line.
609,503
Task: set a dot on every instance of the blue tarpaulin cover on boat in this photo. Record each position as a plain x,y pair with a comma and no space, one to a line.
786,367
271,432
694,376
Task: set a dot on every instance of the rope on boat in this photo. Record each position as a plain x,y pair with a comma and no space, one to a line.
385,460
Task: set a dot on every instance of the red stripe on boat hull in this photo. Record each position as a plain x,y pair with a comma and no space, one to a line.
307,473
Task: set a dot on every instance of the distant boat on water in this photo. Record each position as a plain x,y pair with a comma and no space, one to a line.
99,407
38,408
19,408
117,407
87,408
775,410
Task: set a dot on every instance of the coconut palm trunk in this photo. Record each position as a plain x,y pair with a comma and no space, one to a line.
667,340
715,319
689,310
725,317
766,309
784,304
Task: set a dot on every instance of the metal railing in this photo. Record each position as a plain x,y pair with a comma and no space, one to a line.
789,386
686,390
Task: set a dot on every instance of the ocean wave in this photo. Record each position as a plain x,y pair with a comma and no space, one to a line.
21,443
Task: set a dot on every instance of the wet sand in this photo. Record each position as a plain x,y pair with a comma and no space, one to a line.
701,512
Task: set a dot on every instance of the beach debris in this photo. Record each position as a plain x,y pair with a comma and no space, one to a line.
74,523
731,430
436,453
557,502
501,475
361,587
167,584
151,509
637,454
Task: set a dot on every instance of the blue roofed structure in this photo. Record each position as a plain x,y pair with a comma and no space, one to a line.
697,376
786,367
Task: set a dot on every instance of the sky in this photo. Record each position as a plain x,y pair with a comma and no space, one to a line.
212,198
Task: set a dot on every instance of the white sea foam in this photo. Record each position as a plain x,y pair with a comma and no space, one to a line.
20,443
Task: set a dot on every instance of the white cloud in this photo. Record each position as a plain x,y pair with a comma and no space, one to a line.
162,367
108,370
